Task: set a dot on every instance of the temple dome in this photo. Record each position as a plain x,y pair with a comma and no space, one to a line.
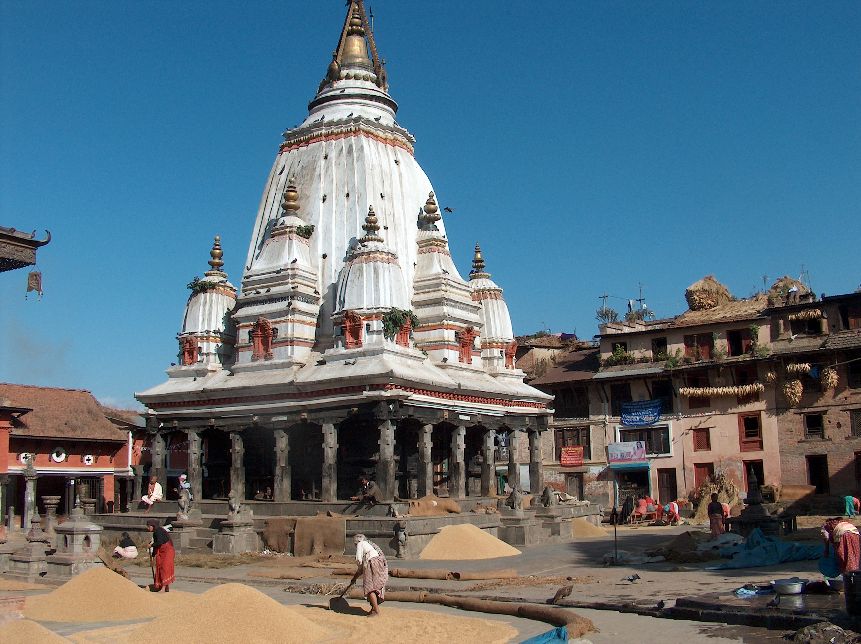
495,318
372,278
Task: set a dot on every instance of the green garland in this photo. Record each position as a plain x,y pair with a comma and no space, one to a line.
305,231
395,319
197,286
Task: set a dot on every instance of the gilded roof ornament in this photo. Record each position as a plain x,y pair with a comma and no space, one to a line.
371,226
216,262
290,201
478,271
354,45
430,213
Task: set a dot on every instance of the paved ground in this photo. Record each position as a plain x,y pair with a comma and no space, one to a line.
594,585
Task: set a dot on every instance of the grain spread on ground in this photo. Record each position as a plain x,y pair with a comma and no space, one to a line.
97,594
237,613
582,528
465,542
13,585
23,631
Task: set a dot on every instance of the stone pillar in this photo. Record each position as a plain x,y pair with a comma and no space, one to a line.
513,465
425,473
237,464
137,486
488,463
386,460
536,467
157,467
195,472
329,491
283,482
30,477
51,503
456,465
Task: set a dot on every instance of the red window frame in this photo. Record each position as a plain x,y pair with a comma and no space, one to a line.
702,439
749,443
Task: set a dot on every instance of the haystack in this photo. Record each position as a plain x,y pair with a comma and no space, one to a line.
780,289
707,293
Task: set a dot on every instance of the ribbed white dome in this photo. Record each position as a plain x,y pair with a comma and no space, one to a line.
209,311
495,318
372,279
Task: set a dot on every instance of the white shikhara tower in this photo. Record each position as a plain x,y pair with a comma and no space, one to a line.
349,295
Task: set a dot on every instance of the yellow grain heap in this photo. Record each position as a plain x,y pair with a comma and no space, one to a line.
466,542
23,631
582,528
95,595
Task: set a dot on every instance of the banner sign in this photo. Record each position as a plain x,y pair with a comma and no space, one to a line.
641,413
626,452
571,456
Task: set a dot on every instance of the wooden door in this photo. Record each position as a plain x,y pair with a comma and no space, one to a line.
667,486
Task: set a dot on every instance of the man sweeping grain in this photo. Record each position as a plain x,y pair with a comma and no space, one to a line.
162,552
372,565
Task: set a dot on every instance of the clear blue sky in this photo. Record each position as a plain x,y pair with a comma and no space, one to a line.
588,146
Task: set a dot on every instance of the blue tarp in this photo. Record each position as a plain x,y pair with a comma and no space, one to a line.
759,550
556,635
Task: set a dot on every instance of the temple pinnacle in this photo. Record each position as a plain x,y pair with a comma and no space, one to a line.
371,227
477,271
216,262
290,202
430,214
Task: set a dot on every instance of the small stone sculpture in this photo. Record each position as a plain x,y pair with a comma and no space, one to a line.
233,503
515,499
548,497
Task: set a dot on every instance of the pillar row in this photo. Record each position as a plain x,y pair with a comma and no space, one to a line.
488,463
513,466
536,468
386,460
195,473
157,467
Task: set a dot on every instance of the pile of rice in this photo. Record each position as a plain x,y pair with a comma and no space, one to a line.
464,542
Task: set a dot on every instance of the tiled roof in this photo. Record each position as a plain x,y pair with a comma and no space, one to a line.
579,364
850,339
735,310
59,413
798,345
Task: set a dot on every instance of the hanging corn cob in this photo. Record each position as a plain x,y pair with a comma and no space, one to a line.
792,391
797,368
829,378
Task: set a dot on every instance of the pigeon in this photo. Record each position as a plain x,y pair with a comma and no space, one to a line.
447,209
774,603
295,260
561,594
377,118
632,578
349,115
661,605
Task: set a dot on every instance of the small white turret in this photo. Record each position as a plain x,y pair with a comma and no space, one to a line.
497,336
207,338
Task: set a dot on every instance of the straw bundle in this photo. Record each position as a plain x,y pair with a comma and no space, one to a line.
829,378
770,377
706,293
807,314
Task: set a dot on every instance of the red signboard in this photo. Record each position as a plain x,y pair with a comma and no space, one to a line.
571,456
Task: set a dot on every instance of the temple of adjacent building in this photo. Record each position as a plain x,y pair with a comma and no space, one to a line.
354,345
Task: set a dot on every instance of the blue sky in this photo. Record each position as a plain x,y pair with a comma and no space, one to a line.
589,147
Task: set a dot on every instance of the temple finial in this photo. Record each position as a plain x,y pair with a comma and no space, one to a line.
216,262
478,271
430,213
371,227
290,201
357,39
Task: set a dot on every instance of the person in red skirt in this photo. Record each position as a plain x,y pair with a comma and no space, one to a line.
846,540
162,555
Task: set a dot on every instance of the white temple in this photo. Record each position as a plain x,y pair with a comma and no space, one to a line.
355,346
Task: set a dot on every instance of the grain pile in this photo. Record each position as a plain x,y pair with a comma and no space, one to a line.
13,585
232,613
23,631
582,528
95,595
466,542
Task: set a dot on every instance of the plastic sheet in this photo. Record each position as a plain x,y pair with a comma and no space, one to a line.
556,635
759,550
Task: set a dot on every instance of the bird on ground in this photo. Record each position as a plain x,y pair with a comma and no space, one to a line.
661,605
774,603
350,362
447,209
632,578
561,594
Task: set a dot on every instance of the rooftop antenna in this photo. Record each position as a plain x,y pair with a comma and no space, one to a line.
765,283
804,278
641,299
371,14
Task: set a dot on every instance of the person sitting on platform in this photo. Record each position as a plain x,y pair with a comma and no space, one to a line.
126,549
154,493
370,493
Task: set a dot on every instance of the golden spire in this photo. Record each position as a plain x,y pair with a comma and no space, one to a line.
430,213
216,262
356,41
371,227
477,271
